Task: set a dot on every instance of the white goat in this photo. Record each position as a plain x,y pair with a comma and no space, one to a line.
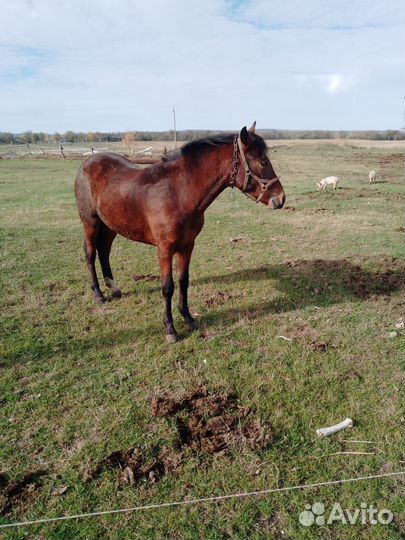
329,181
372,177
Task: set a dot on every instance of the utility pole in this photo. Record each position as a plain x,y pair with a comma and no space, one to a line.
174,129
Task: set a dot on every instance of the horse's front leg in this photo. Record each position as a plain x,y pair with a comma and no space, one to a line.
165,261
183,262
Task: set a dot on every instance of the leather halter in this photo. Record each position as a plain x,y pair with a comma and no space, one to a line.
264,183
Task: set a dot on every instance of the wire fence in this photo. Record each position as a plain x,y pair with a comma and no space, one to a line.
146,155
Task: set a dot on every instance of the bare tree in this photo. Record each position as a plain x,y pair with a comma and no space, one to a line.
129,140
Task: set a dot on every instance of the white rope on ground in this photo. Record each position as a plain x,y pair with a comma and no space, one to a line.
202,500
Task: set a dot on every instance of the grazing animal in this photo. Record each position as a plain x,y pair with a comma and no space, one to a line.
329,181
372,175
163,205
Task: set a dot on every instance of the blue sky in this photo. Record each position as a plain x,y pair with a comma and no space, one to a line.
122,65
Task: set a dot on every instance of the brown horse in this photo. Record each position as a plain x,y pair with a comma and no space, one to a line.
163,205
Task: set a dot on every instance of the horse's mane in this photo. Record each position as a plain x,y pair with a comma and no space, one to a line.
200,146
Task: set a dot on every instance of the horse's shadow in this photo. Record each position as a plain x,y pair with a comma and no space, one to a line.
307,282
300,283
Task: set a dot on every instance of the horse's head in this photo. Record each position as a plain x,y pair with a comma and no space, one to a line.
257,178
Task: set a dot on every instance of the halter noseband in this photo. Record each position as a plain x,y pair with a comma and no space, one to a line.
264,183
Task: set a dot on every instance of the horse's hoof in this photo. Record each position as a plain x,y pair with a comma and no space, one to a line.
172,338
100,299
191,326
116,293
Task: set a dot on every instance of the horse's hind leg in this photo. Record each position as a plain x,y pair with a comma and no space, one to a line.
183,262
91,229
105,239
165,261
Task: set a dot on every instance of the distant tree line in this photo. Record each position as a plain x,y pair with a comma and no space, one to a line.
32,137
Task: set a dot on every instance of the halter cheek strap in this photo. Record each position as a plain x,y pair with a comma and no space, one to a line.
264,183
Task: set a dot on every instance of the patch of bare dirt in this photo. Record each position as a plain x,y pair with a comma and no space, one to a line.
218,298
132,467
352,375
206,334
319,347
19,492
293,263
145,277
391,159
208,423
215,435
305,333
199,401
365,284
358,281
214,421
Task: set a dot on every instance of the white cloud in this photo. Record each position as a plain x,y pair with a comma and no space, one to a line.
335,83
322,13
331,83
120,65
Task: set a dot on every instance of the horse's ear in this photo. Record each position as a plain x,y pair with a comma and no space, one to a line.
245,136
252,128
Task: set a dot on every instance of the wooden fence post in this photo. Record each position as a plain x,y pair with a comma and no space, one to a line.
13,147
29,149
61,151
174,130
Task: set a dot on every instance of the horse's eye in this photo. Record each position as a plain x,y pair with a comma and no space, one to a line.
263,163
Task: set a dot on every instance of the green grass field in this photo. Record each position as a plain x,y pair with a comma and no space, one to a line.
77,379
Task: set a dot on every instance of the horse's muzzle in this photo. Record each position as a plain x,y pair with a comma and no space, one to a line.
277,203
